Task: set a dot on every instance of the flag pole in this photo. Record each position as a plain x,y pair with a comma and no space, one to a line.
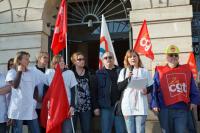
66,35
66,55
72,124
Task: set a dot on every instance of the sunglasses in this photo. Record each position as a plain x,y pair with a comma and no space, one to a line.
107,57
80,59
173,55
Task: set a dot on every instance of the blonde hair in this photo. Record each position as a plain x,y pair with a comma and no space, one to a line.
129,53
56,59
40,55
75,56
19,56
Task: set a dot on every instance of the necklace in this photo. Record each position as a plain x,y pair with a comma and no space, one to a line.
81,73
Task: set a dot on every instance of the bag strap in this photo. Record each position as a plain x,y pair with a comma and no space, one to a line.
124,73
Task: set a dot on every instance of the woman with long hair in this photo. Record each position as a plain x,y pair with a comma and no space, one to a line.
134,102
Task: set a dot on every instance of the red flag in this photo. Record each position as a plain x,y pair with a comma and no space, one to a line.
192,64
55,106
143,44
59,36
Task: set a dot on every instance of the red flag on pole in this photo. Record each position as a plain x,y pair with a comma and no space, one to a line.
55,106
59,36
143,44
192,64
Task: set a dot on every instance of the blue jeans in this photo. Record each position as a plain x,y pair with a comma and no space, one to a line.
108,119
135,123
173,120
85,121
191,122
2,127
67,126
33,126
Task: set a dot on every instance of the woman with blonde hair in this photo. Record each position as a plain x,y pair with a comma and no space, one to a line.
42,60
70,86
134,102
85,92
22,103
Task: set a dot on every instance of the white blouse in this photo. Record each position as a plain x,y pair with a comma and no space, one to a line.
68,77
22,104
3,107
130,104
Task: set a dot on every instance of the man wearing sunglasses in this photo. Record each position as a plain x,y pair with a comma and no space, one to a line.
109,95
175,94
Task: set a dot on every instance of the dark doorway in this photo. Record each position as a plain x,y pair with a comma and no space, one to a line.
91,51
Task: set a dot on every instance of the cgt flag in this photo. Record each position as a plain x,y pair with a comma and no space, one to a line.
192,64
143,44
105,42
55,106
59,36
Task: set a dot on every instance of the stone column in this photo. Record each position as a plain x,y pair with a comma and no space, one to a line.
169,22
21,28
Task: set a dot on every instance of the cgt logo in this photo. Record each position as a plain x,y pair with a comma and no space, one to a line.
177,84
144,42
180,87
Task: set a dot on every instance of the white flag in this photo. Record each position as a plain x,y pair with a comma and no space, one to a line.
105,42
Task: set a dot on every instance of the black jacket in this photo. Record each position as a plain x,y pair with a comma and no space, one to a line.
104,84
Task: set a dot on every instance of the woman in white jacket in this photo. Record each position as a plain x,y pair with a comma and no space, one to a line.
22,103
134,102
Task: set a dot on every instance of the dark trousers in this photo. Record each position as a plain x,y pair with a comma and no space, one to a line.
85,121
2,127
42,130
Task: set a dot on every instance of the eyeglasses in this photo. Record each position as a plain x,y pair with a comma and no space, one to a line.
107,57
80,59
173,55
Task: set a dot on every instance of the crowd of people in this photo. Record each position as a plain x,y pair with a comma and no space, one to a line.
107,93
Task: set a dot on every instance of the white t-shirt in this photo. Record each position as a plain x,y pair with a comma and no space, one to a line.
68,77
40,86
22,104
3,106
127,105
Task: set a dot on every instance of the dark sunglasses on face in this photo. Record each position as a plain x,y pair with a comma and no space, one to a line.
107,57
80,59
173,55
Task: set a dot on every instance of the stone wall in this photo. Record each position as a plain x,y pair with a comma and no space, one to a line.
169,22
21,28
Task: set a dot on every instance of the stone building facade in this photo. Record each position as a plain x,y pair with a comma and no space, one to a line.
26,25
